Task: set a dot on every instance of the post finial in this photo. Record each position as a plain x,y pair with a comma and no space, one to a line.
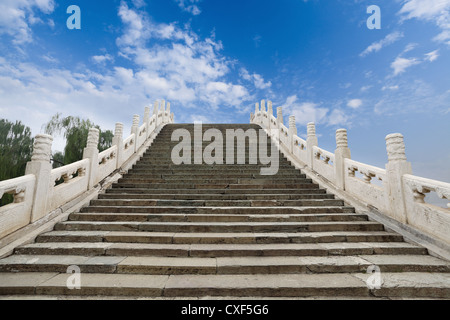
270,107
341,138
395,146
147,114
311,129
118,131
280,115
263,105
93,138
42,148
136,120
292,122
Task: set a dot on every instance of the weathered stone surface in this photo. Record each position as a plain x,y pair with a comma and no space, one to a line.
22,283
206,232
303,285
105,284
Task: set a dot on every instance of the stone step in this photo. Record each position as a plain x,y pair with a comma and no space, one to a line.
138,169
217,250
216,203
181,185
407,284
258,192
223,265
135,217
339,238
201,175
216,180
224,227
250,162
169,164
216,197
220,210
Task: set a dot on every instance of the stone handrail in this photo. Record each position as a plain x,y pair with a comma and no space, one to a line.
43,189
17,214
106,163
76,180
322,165
373,194
399,195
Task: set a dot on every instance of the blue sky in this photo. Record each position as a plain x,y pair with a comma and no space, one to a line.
214,59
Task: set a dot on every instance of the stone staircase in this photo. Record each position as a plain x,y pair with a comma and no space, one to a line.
195,231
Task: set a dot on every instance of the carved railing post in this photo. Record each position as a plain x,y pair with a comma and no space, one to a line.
168,112
118,141
395,169
155,112
147,121
163,112
91,153
279,117
311,142
135,130
41,167
270,113
292,132
257,113
342,152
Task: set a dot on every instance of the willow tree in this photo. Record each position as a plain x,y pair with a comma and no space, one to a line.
16,146
76,131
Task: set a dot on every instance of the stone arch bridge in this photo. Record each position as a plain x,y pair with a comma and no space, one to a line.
128,222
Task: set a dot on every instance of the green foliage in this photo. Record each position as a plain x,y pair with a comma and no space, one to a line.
76,132
58,160
16,146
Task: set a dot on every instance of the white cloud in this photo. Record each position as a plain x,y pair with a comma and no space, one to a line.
16,16
401,64
102,58
436,11
338,117
189,6
412,96
432,56
189,72
396,87
355,103
377,46
257,80
366,88
186,69
304,112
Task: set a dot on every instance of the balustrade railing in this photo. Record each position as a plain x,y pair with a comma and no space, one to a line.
393,190
43,189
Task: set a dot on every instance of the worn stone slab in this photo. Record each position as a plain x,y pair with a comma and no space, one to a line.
143,249
33,263
244,250
164,265
396,248
408,263
72,236
106,285
262,265
64,248
411,284
298,285
140,237
22,283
